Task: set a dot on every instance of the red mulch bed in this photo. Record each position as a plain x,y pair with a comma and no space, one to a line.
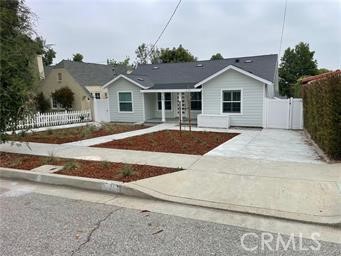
84,168
172,141
61,136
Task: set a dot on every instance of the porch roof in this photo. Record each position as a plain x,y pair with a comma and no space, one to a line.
172,87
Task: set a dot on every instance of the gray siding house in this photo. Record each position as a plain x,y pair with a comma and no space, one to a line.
218,93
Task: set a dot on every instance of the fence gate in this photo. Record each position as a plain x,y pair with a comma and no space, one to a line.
284,113
101,110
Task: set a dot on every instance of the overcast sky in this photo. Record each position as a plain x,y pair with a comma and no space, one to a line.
101,29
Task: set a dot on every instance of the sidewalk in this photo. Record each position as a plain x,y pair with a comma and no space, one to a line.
103,139
260,189
102,154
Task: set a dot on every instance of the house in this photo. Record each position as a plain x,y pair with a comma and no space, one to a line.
222,93
84,79
309,79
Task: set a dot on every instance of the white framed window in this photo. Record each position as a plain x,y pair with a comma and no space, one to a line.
60,77
232,101
195,100
168,101
97,95
125,102
54,103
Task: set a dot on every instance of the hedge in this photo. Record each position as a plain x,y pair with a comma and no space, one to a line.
322,113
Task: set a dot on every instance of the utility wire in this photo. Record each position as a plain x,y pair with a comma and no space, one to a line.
165,27
283,24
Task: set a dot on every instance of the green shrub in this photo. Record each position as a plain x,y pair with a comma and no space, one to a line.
127,170
42,104
71,165
322,113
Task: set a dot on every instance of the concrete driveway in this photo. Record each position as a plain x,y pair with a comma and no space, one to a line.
269,144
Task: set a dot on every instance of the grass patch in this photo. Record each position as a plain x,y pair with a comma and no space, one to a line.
127,170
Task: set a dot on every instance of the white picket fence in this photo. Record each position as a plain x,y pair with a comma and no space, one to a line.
55,118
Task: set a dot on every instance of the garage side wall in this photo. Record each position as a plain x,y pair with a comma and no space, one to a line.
252,98
123,85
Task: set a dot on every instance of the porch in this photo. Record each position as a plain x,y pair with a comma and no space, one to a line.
171,105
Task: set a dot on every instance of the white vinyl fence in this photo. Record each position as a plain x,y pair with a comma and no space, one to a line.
284,113
55,118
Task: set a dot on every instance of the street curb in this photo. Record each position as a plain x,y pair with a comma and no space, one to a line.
314,219
72,181
130,189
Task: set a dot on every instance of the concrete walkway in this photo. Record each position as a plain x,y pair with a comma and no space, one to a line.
102,154
103,139
309,192
269,144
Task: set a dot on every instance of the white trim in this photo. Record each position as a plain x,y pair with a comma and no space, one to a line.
241,101
236,69
170,90
265,110
118,102
143,108
157,101
126,78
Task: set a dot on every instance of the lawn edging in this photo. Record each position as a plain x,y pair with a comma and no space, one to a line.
115,187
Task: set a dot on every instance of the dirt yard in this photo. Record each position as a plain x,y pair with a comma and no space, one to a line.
82,168
171,141
75,134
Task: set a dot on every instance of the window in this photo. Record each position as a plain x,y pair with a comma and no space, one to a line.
59,77
54,103
168,101
232,101
195,100
125,101
106,95
97,95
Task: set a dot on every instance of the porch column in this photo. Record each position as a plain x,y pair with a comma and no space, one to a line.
163,112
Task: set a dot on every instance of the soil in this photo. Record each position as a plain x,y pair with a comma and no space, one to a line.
61,136
172,141
83,168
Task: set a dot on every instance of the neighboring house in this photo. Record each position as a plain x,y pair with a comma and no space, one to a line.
223,92
309,79
84,79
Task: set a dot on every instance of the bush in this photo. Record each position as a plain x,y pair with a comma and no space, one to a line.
42,104
322,113
64,96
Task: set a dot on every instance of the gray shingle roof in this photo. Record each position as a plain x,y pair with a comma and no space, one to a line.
88,74
185,75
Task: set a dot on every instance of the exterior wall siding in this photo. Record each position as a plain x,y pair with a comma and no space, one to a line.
252,98
131,117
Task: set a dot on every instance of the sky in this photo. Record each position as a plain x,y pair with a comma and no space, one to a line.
102,29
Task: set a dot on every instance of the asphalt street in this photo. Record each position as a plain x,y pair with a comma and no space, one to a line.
36,224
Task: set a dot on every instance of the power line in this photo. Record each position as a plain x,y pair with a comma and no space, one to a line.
284,17
165,27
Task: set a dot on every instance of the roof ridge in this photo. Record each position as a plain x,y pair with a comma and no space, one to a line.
199,61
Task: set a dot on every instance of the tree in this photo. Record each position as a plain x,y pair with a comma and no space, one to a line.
78,57
19,73
146,53
179,54
42,104
322,70
48,53
64,97
295,63
114,62
217,56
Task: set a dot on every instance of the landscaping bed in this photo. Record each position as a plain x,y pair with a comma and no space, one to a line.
172,141
84,168
75,134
